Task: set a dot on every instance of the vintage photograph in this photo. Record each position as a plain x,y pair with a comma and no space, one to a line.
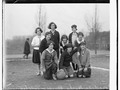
56,46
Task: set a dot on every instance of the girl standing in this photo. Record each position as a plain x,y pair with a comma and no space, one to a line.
36,43
55,36
72,38
73,35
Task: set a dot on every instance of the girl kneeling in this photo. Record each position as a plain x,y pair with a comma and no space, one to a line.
66,59
84,61
49,62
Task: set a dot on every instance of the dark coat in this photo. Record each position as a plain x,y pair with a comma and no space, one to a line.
70,37
66,58
43,45
56,39
26,48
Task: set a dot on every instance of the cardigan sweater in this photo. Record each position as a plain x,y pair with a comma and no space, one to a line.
84,58
48,58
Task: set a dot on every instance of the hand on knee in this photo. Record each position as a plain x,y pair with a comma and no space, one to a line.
71,75
85,69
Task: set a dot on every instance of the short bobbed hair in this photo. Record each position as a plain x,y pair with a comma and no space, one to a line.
49,26
50,43
47,33
39,29
74,26
80,33
83,43
64,37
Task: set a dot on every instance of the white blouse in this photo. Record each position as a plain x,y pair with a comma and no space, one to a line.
74,37
36,41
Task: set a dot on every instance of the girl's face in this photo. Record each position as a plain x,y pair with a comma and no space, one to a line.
51,46
38,32
48,36
69,49
80,37
52,26
82,47
64,40
74,29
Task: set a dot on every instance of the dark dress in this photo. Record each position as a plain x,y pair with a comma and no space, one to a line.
66,58
56,39
27,48
63,47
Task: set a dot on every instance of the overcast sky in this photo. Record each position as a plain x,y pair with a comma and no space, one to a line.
21,19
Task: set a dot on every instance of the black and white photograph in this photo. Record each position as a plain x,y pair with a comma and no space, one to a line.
59,45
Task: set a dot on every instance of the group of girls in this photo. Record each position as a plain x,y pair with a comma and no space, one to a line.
52,54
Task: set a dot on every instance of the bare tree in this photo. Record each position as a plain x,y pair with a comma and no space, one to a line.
41,18
94,27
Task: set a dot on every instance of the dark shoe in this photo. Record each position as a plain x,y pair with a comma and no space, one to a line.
88,76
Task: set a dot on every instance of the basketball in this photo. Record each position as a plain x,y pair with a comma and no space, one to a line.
61,74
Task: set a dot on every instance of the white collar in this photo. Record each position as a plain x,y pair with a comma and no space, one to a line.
80,41
64,44
50,51
74,32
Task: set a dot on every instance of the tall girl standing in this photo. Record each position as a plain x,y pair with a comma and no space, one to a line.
55,36
36,43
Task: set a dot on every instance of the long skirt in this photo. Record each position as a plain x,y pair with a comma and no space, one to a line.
49,71
36,57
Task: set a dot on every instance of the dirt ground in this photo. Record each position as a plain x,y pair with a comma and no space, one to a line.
22,74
